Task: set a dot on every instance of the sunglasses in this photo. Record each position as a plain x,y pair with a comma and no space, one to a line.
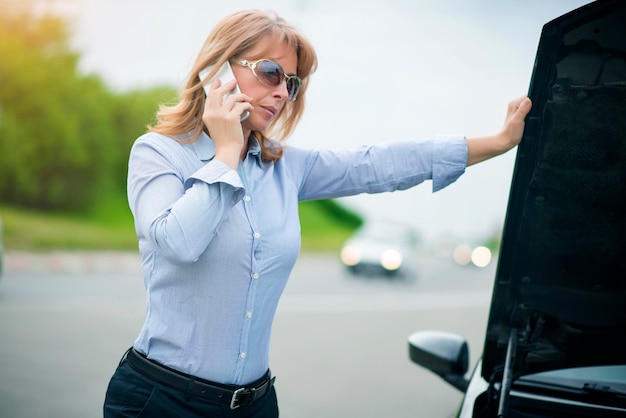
272,75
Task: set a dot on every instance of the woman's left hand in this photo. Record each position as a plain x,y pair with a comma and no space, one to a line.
514,122
485,147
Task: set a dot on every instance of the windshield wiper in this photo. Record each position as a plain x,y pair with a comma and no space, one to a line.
603,390
592,392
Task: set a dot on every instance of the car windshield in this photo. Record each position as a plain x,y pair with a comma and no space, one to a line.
386,232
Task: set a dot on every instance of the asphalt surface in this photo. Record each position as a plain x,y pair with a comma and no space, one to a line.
338,350
64,262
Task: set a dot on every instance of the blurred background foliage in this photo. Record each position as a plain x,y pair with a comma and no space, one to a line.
65,139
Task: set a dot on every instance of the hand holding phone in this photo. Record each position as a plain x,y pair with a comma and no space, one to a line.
225,74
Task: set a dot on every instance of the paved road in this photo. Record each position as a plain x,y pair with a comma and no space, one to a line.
338,350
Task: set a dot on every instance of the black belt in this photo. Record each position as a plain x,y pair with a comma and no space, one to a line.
198,387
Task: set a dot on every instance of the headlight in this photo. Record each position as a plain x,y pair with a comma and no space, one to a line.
481,256
462,254
391,259
350,256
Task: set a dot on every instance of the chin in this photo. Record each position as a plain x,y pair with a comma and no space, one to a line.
256,124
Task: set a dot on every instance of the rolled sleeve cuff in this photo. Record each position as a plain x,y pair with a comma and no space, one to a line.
216,171
449,161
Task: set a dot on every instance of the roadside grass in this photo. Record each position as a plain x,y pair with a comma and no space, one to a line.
110,227
30,230
322,232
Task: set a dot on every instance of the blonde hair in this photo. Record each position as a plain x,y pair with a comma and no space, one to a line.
233,36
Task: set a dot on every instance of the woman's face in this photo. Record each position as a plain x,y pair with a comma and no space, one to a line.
267,101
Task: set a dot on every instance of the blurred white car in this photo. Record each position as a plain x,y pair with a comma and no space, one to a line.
381,248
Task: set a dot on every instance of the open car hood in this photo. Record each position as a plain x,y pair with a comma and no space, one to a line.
559,297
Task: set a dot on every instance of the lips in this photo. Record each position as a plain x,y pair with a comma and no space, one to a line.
270,110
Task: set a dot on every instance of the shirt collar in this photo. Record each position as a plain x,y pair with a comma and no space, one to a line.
204,147
254,150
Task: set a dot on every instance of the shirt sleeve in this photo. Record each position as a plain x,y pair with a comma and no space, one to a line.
449,161
178,208
384,167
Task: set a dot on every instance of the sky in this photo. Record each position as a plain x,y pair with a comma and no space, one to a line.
389,69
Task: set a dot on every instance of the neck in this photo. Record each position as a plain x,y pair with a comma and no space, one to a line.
246,143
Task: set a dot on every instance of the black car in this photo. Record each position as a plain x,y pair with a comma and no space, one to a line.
555,343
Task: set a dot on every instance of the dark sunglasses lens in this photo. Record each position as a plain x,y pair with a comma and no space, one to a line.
270,72
293,87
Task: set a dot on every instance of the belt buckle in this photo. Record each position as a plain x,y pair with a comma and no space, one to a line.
237,395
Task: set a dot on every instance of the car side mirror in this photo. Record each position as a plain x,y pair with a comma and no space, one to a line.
443,353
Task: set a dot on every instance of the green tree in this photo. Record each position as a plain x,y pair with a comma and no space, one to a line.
55,123
64,137
131,112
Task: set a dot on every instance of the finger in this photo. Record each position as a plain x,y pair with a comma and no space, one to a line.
242,107
516,103
222,89
518,108
225,92
232,99
523,107
215,84
226,88
230,85
211,96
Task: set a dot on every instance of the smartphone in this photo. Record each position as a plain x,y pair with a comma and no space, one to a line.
225,74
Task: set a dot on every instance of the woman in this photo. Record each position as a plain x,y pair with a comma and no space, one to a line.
215,202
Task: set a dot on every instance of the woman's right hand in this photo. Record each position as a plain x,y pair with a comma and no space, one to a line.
222,117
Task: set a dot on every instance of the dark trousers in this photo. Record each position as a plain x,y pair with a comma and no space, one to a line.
131,394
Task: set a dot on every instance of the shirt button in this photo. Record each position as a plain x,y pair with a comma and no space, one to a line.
242,355
255,275
257,235
246,198
248,314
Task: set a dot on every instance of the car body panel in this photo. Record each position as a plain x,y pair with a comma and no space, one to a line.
561,275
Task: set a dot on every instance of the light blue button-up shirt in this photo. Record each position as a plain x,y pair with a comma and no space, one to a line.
218,245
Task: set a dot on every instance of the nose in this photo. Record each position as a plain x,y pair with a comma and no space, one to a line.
281,91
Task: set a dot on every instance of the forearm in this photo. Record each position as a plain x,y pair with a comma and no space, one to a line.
485,147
